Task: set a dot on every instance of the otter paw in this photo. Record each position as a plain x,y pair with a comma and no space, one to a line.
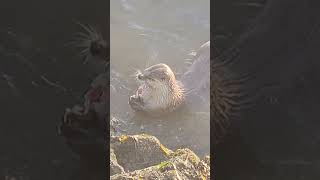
136,102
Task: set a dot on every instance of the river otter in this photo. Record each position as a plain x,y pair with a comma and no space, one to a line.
209,86
161,92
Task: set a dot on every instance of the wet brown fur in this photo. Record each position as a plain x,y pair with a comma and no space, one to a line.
163,92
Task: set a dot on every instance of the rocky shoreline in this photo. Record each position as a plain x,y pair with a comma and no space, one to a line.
138,156
144,157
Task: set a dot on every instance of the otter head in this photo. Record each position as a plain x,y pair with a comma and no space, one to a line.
159,92
158,76
94,48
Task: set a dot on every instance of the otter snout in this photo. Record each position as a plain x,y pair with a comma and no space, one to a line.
141,77
159,92
144,76
98,48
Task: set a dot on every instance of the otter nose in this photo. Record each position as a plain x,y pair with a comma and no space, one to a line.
140,76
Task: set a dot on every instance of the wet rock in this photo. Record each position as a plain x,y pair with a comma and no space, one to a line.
138,151
116,126
131,156
115,168
144,157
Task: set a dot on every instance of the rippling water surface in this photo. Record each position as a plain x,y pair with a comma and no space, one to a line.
148,32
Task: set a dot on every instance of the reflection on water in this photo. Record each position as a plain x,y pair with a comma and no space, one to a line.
39,77
147,32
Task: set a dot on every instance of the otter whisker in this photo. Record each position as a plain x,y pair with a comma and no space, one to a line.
81,41
92,30
85,27
76,41
239,80
85,44
226,59
82,35
84,51
86,60
136,72
134,68
92,33
95,32
188,92
71,43
84,57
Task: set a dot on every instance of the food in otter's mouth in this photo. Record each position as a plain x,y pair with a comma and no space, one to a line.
159,92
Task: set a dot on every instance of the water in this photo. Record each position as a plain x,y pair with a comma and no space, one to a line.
33,60
275,139
145,33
